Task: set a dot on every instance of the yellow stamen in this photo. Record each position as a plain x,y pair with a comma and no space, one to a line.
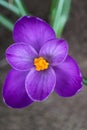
41,63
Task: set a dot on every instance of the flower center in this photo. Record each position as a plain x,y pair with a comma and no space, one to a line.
41,63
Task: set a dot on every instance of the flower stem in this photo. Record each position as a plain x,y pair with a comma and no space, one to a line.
85,81
21,7
10,7
7,23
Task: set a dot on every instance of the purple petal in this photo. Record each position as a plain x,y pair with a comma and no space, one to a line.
55,51
14,93
40,84
32,30
20,56
69,79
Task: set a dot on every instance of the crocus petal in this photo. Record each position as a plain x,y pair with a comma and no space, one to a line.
20,56
14,93
32,30
55,51
40,84
69,79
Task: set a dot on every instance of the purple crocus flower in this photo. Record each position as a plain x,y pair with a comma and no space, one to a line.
40,65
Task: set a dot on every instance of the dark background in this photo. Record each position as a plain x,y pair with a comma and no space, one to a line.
55,113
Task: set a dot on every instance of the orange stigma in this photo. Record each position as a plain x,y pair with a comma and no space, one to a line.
41,63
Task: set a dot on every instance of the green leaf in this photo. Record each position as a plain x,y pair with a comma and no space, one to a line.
85,81
60,15
5,22
53,10
21,7
9,6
